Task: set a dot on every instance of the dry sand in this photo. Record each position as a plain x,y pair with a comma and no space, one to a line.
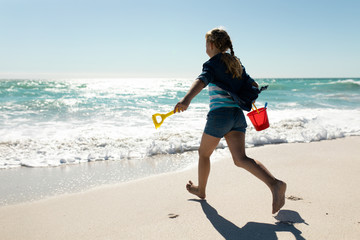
323,202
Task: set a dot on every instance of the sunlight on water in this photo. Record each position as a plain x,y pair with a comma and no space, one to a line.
53,123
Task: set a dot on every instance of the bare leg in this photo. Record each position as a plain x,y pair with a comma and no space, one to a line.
236,143
207,146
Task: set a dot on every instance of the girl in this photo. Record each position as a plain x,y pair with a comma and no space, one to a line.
225,118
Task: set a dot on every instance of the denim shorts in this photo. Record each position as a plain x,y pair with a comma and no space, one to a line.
223,120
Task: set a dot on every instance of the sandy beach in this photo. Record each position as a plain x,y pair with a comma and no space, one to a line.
323,202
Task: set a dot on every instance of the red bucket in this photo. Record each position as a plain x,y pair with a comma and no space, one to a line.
259,119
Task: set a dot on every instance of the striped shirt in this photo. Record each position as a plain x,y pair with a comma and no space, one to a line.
220,98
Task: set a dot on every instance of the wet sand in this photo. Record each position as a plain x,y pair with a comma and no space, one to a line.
322,202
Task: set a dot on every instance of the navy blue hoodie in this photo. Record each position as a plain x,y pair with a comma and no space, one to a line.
240,89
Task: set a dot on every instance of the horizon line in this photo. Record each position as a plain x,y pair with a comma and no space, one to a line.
12,76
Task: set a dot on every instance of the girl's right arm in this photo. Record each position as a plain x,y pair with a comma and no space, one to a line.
194,90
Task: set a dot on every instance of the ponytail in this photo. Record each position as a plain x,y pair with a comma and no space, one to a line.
232,63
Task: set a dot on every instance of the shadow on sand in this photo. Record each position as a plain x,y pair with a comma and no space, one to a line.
253,230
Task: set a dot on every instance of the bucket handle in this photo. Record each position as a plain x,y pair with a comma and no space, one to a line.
255,108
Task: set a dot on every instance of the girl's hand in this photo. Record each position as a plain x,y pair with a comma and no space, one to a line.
181,106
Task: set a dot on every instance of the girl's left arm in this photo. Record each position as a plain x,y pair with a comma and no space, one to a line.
194,90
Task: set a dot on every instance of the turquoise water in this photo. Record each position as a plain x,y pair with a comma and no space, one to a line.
47,123
64,136
314,93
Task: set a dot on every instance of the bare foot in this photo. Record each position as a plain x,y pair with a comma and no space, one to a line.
278,192
195,190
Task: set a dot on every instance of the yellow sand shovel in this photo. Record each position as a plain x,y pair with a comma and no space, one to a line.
163,116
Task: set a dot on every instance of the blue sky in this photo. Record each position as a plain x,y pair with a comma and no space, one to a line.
108,38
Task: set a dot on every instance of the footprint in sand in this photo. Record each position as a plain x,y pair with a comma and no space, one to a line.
294,198
172,215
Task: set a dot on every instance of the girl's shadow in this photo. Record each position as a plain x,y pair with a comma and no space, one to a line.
252,230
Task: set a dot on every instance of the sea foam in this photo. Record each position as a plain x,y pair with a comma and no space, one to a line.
52,123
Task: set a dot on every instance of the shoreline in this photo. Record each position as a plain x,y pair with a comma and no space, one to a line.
320,204
23,185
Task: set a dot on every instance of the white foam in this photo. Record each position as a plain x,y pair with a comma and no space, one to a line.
307,125
111,120
345,81
55,144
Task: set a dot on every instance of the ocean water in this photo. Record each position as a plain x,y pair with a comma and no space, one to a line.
51,123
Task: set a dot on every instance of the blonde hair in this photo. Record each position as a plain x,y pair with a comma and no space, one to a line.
222,41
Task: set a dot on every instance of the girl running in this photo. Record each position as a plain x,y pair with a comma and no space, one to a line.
225,118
